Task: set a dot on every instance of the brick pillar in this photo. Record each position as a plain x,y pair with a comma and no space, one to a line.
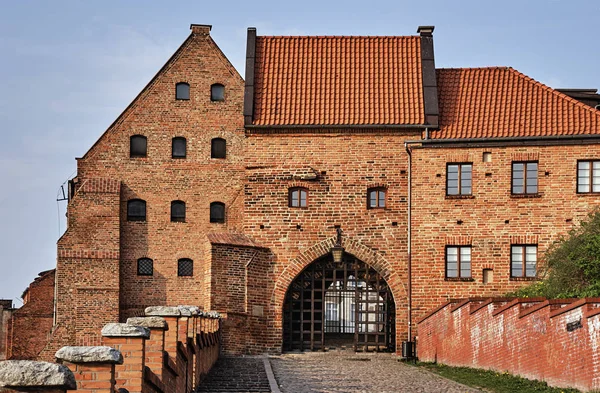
171,370
155,349
93,367
130,341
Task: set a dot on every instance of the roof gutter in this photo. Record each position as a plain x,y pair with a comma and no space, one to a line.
504,139
360,126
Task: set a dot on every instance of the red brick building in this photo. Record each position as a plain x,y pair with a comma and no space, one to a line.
231,193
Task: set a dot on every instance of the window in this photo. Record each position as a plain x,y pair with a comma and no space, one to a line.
217,212
218,148
458,262
136,210
525,177
179,148
138,146
523,260
298,197
178,211
376,198
331,311
588,176
182,91
185,267
145,267
458,179
217,92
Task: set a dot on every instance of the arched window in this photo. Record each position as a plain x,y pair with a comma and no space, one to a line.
298,197
218,148
217,212
136,210
138,146
185,267
178,211
179,147
145,267
376,198
182,91
217,92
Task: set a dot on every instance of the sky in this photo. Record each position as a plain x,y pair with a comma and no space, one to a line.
69,68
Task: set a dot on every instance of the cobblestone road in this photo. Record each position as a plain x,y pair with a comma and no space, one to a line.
236,375
352,373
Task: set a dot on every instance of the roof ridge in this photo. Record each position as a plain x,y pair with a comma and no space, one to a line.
473,68
555,92
335,36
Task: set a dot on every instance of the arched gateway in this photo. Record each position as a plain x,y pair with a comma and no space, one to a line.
332,304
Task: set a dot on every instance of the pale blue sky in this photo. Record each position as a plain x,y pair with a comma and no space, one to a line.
69,68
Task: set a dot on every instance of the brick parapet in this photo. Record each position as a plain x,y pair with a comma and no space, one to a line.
557,341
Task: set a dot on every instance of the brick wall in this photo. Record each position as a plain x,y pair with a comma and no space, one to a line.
556,341
31,324
492,219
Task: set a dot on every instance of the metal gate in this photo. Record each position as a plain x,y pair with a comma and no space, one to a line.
331,302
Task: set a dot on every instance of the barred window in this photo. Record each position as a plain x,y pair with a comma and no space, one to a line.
217,92
145,267
136,210
459,179
523,260
298,197
217,212
218,148
178,211
376,198
138,146
182,91
458,261
179,147
588,176
525,177
185,267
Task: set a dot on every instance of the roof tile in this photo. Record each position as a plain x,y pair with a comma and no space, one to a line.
338,81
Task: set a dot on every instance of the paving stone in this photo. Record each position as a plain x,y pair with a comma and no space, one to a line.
236,375
349,372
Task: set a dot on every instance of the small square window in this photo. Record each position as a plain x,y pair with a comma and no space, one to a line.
179,148
376,198
217,92
182,91
138,146
487,156
298,197
185,267
145,267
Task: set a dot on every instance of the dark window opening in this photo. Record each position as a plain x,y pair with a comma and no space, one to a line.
525,177
588,176
458,261
136,210
218,148
138,146
458,179
376,198
178,211
217,92
145,267
179,147
523,260
217,212
298,197
185,267
182,91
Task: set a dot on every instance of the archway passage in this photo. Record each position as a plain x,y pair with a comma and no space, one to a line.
346,304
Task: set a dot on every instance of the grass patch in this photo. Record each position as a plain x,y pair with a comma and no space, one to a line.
492,381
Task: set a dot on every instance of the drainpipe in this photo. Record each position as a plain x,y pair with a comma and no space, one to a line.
409,289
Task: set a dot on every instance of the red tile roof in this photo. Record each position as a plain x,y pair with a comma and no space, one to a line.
502,102
338,81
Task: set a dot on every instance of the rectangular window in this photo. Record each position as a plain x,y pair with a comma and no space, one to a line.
331,312
458,261
525,177
588,176
376,198
459,179
523,260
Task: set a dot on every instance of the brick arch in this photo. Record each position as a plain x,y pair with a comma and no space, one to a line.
351,246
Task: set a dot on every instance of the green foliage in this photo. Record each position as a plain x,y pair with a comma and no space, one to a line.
572,265
491,381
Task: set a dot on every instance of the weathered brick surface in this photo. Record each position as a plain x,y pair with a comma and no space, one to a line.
6,310
556,341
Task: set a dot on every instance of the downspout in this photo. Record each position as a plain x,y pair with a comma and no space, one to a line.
409,286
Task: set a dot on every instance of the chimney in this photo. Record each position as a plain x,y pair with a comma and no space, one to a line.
200,29
430,91
249,88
